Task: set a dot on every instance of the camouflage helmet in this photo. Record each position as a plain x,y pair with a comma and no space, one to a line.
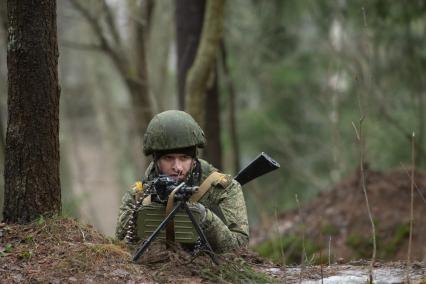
172,129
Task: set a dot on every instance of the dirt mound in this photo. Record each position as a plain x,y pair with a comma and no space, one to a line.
63,250
337,223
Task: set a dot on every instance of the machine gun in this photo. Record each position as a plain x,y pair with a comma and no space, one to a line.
163,186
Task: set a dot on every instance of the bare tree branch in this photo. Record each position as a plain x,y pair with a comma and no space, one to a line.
148,9
97,29
111,24
81,46
136,82
96,48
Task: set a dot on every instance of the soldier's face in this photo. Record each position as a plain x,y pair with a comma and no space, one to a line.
176,166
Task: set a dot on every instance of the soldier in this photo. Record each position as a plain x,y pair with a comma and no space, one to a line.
172,138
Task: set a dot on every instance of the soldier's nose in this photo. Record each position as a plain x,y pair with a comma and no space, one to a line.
177,166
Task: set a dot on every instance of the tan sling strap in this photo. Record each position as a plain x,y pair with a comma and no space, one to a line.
170,228
204,187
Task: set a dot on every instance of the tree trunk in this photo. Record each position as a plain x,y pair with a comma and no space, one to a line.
32,185
142,101
189,22
189,25
213,150
198,75
3,14
232,108
3,19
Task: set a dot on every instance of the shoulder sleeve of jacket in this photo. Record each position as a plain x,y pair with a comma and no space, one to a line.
207,169
223,181
227,228
127,202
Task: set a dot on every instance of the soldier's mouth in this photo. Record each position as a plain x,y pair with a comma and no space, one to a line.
177,177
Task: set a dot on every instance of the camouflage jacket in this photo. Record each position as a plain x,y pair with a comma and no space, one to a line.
225,225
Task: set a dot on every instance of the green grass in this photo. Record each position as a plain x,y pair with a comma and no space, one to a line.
362,247
236,271
290,246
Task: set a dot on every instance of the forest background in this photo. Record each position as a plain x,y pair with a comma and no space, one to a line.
302,72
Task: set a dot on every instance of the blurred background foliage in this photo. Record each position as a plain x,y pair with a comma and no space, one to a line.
303,73
305,70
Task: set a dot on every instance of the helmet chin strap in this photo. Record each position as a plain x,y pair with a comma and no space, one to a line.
156,167
194,174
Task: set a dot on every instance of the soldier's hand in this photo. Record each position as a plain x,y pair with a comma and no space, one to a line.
200,209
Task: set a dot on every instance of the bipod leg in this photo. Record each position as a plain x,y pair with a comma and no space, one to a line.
154,234
200,233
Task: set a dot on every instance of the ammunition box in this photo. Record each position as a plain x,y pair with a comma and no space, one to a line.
150,216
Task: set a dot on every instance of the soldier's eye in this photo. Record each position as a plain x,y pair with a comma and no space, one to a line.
167,158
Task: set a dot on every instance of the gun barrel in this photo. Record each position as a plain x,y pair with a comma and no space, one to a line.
263,164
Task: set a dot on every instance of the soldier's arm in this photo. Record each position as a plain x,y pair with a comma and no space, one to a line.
227,228
127,203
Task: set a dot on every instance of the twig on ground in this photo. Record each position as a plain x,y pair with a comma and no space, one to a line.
415,185
329,251
320,252
413,161
304,256
361,143
83,235
281,247
364,189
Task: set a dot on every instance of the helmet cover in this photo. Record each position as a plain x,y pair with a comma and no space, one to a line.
172,129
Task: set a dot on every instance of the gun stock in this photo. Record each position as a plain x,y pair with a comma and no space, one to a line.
263,164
